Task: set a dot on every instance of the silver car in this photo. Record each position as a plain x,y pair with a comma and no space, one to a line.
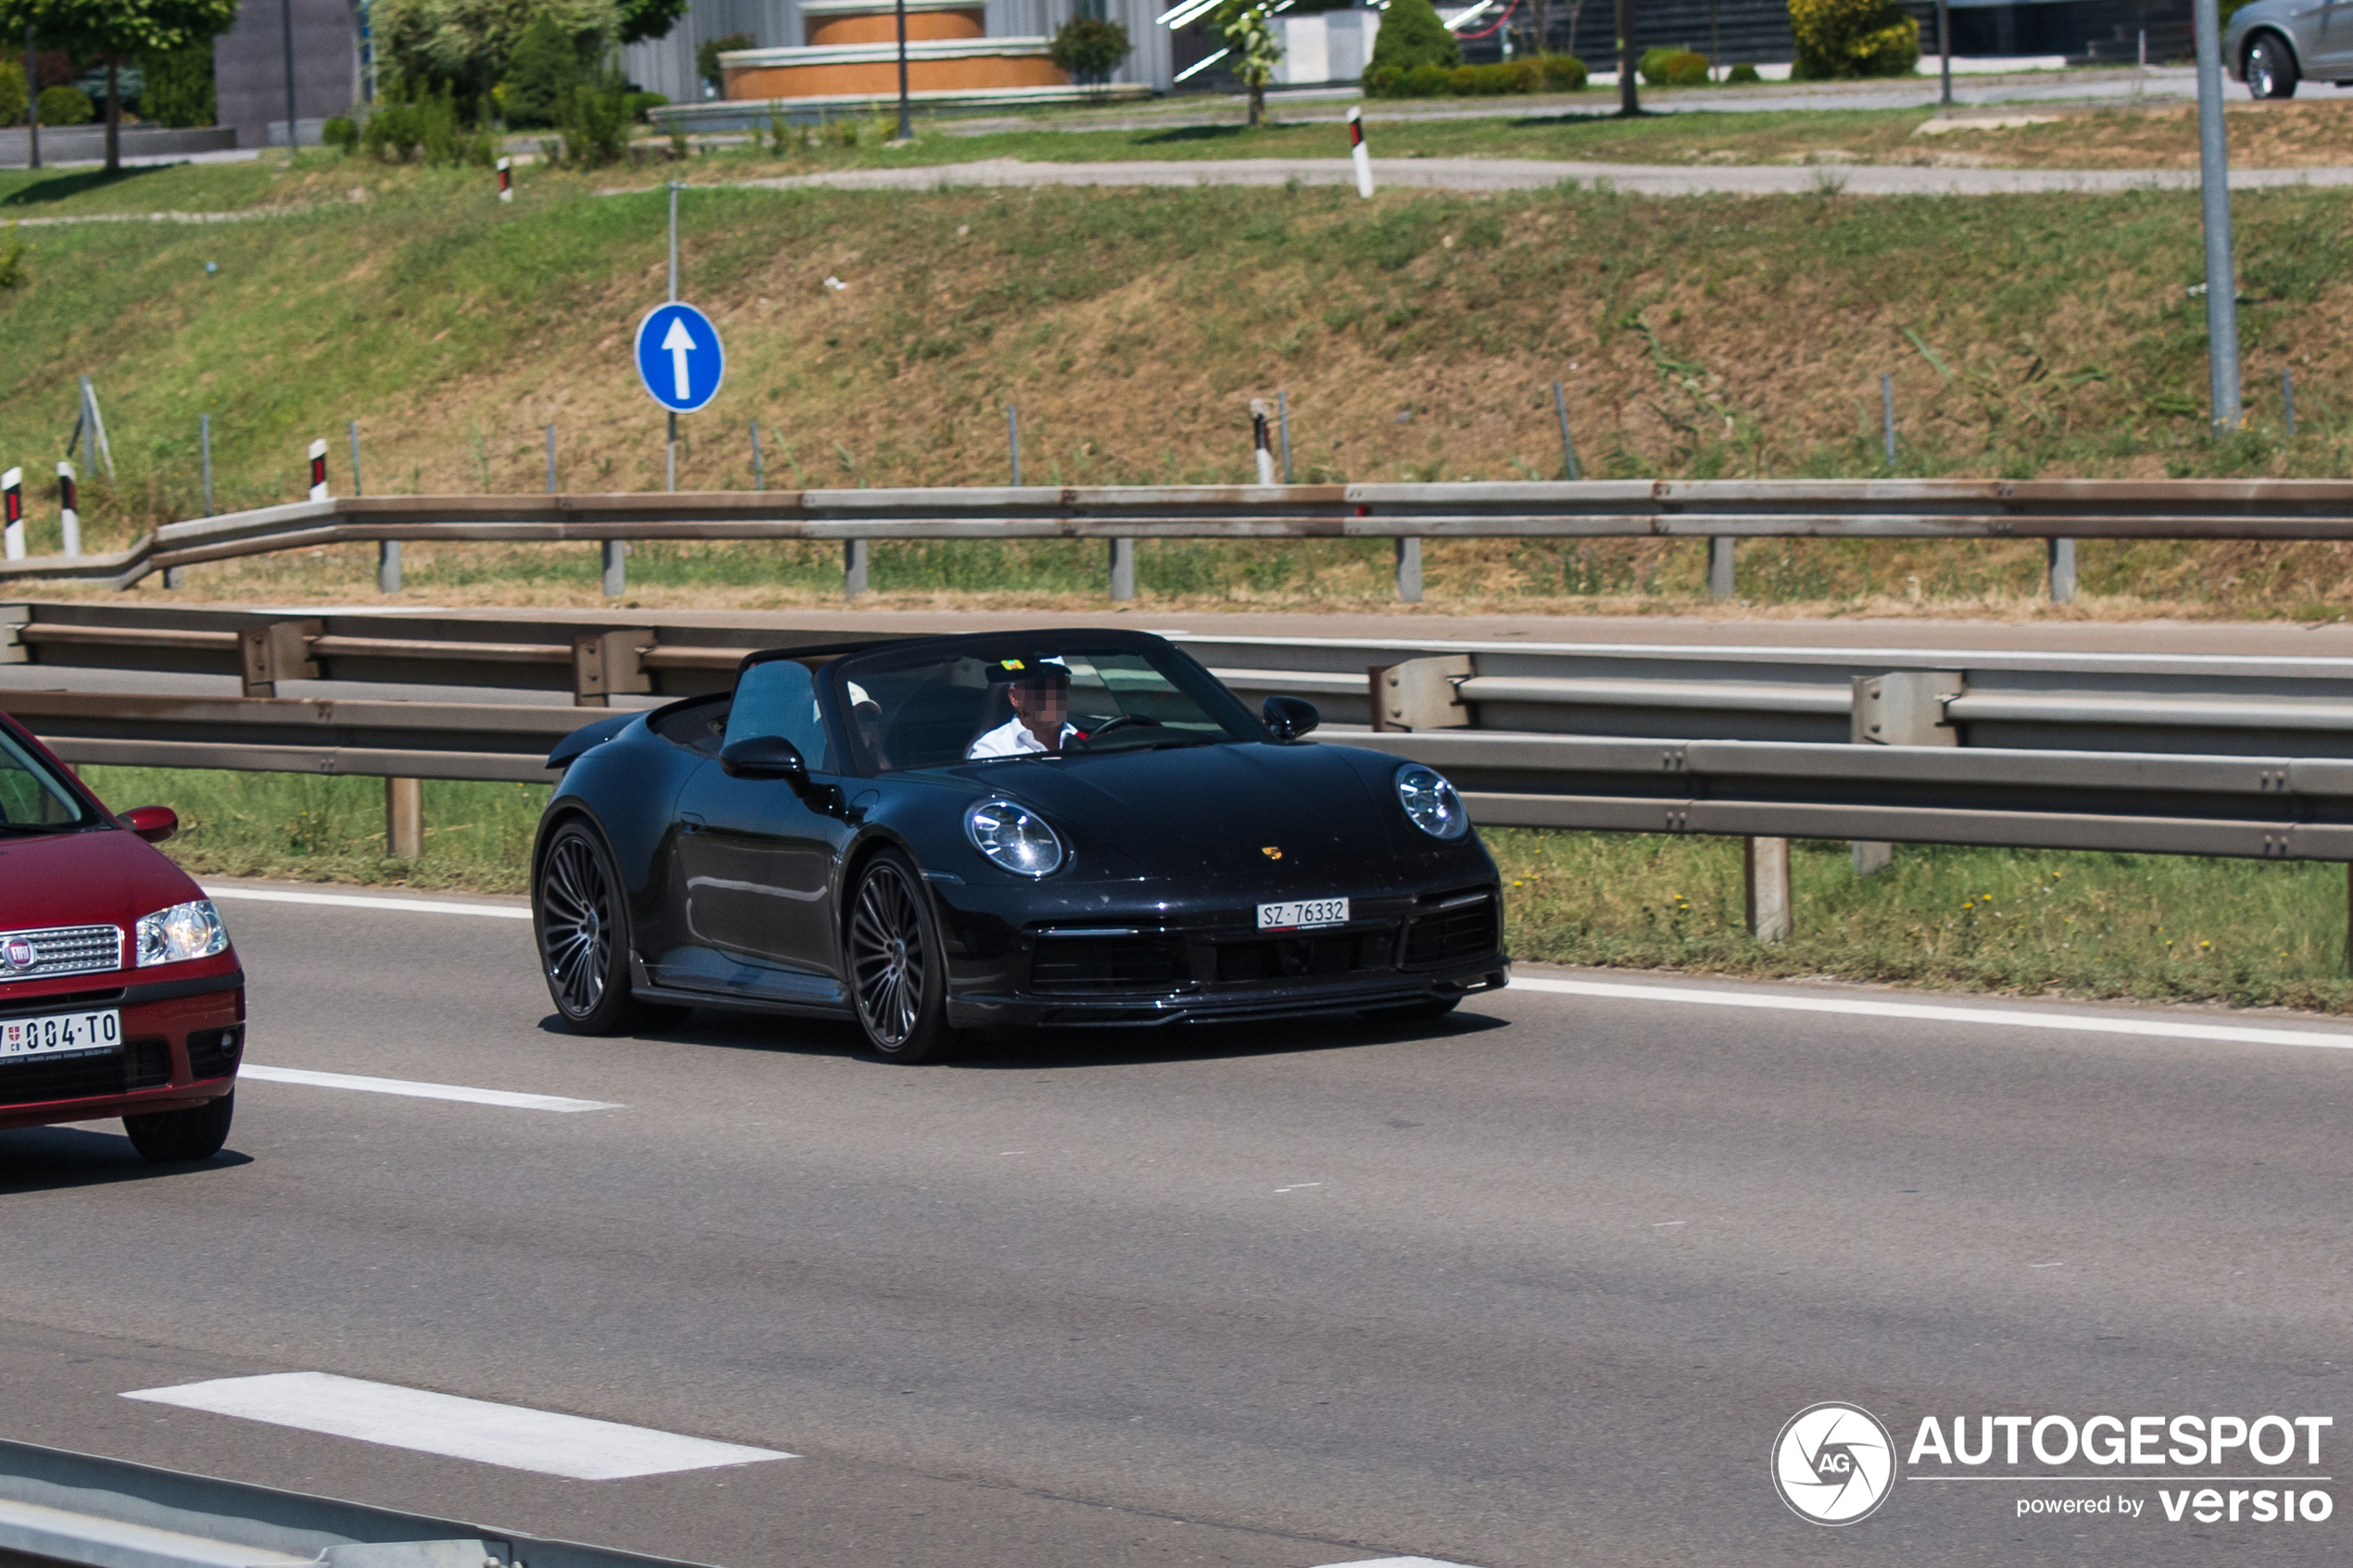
2272,44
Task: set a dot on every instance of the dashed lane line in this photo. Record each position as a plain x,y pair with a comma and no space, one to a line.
513,1436
511,1099
1926,1013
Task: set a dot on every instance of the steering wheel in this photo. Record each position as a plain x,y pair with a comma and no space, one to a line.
1136,721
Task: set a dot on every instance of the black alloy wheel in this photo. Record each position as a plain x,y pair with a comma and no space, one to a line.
2270,67
584,938
898,975
170,1138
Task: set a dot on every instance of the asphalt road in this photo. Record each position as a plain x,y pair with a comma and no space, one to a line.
1535,1287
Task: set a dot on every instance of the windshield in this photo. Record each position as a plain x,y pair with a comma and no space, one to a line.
938,708
32,799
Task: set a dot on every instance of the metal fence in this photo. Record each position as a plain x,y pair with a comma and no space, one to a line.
1721,510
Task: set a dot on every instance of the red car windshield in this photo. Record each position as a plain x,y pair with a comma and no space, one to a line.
32,799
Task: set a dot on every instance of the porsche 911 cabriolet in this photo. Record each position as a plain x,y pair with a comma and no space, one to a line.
940,836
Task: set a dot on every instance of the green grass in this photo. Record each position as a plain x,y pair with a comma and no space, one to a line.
2148,927
310,828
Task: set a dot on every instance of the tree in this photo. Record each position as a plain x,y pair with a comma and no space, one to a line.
644,20
115,31
1251,38
178,87
1412,35
543,67
1089,48
464,45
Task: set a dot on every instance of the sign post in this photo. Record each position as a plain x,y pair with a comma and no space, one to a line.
69,509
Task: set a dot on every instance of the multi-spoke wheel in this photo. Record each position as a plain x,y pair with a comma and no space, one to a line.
2270,66
896,970
583,937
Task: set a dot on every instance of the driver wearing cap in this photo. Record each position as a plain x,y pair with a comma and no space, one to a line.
1040,721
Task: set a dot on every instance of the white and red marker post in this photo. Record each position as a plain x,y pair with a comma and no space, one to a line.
1356,151
1266,453
12,487
68,509
318,470
506,179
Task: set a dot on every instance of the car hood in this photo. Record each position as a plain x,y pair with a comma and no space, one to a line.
103,876
1212,812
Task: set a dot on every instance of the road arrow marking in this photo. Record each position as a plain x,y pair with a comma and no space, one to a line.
678,343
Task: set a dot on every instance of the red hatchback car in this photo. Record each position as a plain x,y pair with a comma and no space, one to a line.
120,995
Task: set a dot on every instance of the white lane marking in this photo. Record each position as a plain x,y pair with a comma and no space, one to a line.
1299,1186
355,901
512,1099
1992,1018
1399,1563
513,1435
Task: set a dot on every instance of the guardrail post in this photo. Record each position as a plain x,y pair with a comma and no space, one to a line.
12,648
2062,565
1765,881
280,651
606,662
616,568
1904,709
853,568
1122,568
404,817
1409,571
1719,567
1421,693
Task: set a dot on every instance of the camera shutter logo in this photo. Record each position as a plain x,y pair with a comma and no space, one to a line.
1834,1463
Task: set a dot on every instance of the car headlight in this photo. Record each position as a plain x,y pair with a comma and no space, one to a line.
183,930
1431,801
1013,837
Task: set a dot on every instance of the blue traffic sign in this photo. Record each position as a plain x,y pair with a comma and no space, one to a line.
679,357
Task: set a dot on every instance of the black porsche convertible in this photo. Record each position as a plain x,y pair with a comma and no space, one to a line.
936,836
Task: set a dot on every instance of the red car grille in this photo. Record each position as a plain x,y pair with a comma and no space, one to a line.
59,949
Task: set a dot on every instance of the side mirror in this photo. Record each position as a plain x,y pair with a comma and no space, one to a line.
766,757
153,823
1288,717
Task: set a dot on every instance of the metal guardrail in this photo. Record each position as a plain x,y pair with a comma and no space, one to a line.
2269,706
61,1507
1719,510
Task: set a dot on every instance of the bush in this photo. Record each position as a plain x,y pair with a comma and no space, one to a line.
1411,39
1087,49
341,134
1849,38
1742,74
635,106
13,99
543,67
1492,80
67,106
594,122
176,88
1673,68
1562,73
707,56
410,121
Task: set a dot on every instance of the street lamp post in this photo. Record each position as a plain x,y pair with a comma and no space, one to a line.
1630,102
2214,180
293,129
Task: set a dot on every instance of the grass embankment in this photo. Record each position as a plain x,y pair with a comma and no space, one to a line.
1586,129
2145,926
1417,335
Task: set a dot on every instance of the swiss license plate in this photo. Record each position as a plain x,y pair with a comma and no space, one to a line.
1300,915
59,1034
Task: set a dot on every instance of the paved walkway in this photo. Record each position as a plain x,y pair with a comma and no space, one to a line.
1527,174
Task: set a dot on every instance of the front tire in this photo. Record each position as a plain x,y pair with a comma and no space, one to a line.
2270,67
170,1137
582,931
898,969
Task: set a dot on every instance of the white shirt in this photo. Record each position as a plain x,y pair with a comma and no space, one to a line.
1012,739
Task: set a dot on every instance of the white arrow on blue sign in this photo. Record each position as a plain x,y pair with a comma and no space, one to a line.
679,358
